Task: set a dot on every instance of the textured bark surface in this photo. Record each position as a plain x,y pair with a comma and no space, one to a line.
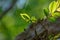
40,30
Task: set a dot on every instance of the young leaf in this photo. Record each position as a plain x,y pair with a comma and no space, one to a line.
58,9
46,12
52,19
53,6
25,16
57,14
33,19
58,1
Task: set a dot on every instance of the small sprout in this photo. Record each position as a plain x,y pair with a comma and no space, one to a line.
33,19
46,11
53,6
56,14
25,16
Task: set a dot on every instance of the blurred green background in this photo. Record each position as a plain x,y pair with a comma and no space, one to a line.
12,24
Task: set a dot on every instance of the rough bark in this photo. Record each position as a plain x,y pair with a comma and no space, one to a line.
40,30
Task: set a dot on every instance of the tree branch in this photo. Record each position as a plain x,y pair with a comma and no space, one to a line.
42,33
5,12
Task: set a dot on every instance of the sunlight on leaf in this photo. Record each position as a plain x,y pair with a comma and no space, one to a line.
58,9
25,16
53,6
57,14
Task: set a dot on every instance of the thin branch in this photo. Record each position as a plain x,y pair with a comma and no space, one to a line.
5,12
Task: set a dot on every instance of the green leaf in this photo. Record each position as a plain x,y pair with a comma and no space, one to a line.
52,19
58,1
46,12
33,19
58,9
53,6
57,14
25,16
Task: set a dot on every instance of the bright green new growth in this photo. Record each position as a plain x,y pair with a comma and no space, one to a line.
33,19
53,12
53,6
58,1
58,9
50,13
27,18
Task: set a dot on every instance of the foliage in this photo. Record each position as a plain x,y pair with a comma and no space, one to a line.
52,13
27,18
16,20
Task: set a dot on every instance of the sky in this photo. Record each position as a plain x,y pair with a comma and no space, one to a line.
5,4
